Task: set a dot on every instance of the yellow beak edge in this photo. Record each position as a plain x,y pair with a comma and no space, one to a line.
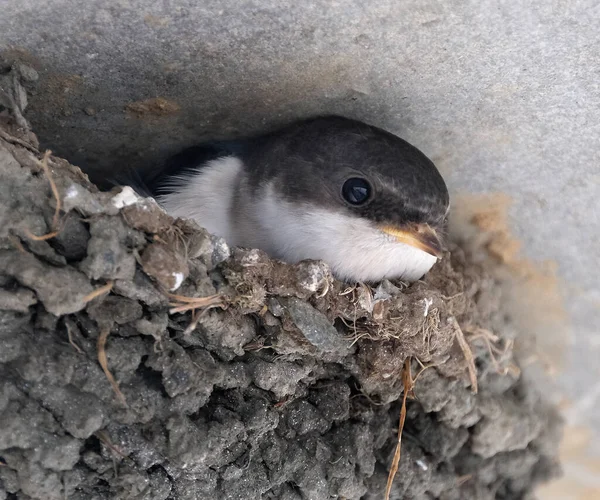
420,236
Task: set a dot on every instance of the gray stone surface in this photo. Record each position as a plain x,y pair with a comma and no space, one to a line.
504,97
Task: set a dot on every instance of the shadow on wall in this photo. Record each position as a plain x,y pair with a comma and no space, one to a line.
132,120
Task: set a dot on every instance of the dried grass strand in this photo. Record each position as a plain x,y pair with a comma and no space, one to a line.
71,341
17,243
182,304
44,164
103,360
468,354
408,383
196,318
43,237
98,292
15,140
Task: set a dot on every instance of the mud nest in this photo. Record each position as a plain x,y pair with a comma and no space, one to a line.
141,358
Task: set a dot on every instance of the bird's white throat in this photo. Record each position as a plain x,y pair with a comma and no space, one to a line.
353,247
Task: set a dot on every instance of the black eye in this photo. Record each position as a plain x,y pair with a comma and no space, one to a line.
356,191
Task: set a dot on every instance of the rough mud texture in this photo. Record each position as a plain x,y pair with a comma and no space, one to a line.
288,388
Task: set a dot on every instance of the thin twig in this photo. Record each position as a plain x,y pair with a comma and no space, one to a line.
56,218
98,292
183,304
15,140
71,341
44,164
43,237
102,359
195,319
463,479
183,298
17,243
423,368
490,340
408,383
466,349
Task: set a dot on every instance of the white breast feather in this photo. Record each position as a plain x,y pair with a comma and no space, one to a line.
206,195
353,247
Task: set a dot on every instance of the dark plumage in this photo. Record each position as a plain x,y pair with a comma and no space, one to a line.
285,178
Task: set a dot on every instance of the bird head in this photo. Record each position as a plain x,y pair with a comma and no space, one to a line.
380,189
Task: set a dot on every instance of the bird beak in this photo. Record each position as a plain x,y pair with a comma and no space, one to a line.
420,236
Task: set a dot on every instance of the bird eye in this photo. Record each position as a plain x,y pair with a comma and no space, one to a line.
356,191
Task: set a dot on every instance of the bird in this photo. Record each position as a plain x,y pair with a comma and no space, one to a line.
366,202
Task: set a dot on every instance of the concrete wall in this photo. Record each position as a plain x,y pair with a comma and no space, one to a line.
503,96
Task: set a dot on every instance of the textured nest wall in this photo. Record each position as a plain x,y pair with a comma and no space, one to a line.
141,358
